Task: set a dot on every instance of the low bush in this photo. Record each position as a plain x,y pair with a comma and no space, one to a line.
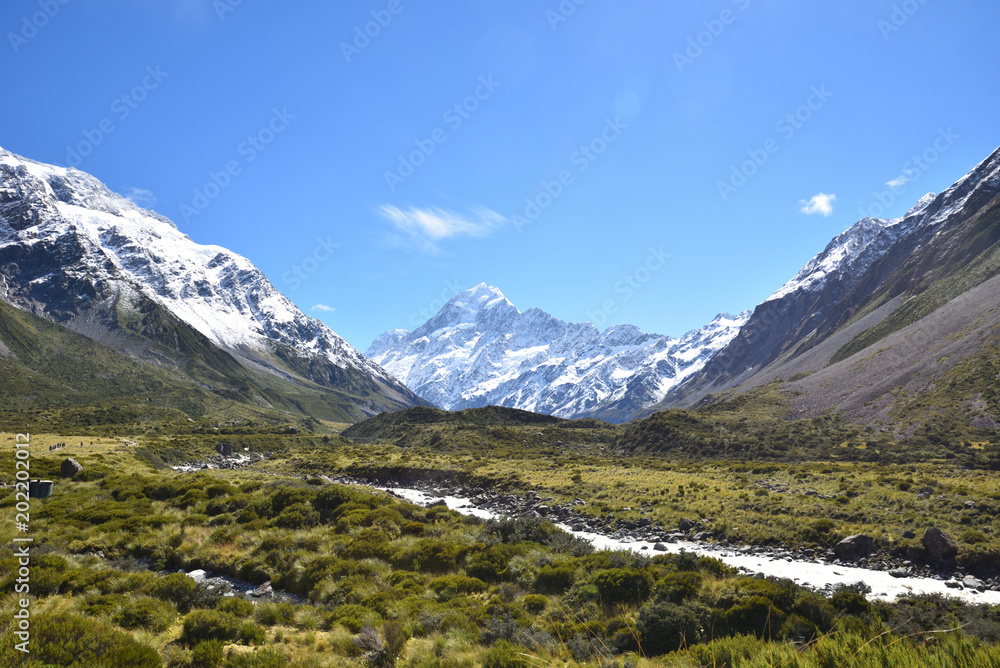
504,655
146,613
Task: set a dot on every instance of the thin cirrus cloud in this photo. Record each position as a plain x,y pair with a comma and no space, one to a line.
324,308
899,181
821,204
425,228
141,197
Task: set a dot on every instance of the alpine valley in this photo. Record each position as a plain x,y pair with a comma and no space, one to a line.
881,322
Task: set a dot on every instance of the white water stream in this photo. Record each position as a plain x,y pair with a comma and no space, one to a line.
813,574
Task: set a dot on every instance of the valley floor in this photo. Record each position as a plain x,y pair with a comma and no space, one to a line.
365,579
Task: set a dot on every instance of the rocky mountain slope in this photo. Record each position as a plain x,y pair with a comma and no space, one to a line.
480,350
875,324
77,254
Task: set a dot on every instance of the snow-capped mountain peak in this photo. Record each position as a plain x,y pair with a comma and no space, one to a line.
481,350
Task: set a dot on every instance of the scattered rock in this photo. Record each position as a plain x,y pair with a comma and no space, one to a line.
854,547
909,534
660,547
224,449
940,546
440,503
925,493
70,467
899,573
263,590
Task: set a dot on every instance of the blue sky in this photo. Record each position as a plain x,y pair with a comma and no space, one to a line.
642,162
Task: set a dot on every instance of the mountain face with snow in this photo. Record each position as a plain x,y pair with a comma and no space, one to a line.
480,350
82,256
874,280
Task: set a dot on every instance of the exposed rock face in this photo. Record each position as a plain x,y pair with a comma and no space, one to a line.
70,467
940,546
854,547
225,449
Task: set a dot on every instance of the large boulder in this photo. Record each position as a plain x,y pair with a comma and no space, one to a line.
70,467
941,547
224,449
854,547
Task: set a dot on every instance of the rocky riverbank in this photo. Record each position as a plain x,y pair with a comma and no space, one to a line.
856,552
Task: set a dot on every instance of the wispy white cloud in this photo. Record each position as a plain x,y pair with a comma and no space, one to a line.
821,204
425,227
901,180
323,307
141,197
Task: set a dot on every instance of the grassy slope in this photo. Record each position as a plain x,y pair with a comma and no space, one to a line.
78,381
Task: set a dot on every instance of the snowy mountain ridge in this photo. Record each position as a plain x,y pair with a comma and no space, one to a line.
481,350
67,244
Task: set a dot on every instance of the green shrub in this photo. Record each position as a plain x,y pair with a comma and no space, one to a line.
447,586
102,605
431,556
754,615
178,589
535,603
268,657
66,639
209,625
624,585
797,627
555,579
369,544
235,606
207,654
146,613
680,586
851,603
817,610
504,655
273,614
251,634
413,528
355,617
489,564
666,627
